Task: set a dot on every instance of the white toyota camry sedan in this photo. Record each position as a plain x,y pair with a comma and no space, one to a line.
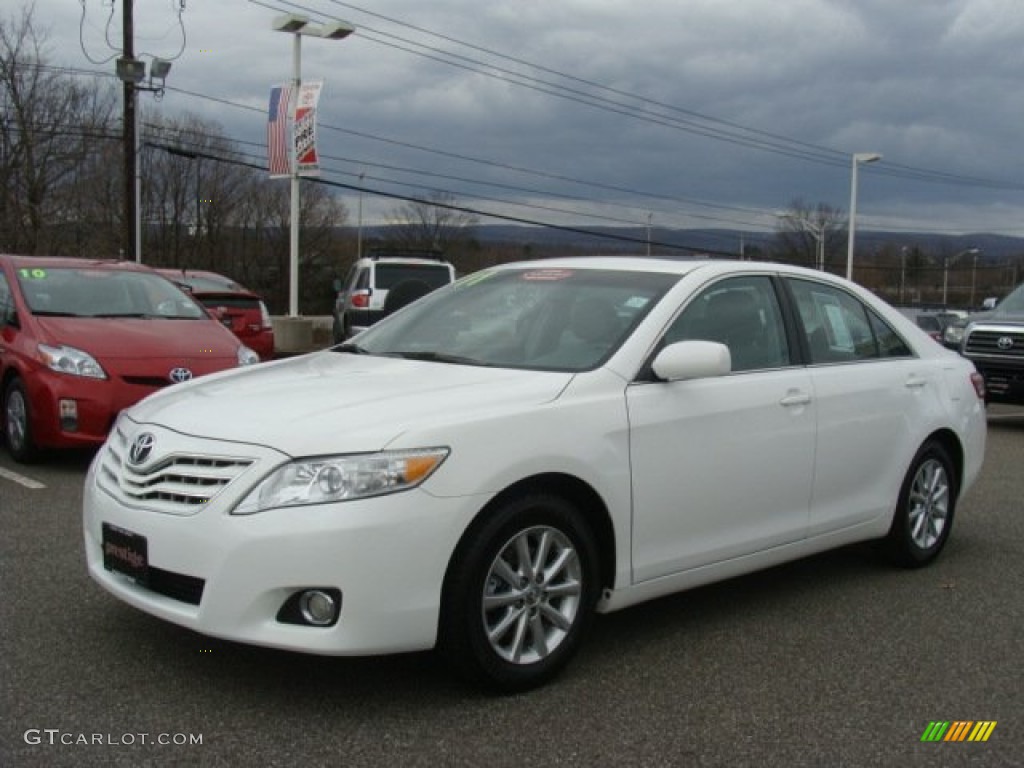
489,467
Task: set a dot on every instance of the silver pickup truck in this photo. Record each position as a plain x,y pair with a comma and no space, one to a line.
994,341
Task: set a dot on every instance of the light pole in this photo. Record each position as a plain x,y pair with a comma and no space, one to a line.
974,277
359,231
945,271
903,271
817,231
858,158
297,26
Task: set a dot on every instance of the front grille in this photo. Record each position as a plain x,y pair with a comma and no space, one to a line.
177,484
986,342
154,382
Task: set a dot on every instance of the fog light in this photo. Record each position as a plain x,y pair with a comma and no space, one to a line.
68,415
317,607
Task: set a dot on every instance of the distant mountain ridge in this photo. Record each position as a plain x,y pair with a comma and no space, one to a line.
723,242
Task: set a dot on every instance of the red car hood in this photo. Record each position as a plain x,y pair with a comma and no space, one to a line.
121,338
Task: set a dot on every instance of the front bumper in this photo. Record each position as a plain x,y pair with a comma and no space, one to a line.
387,556
97,402
1003,383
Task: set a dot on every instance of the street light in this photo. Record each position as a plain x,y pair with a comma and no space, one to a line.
297,26
818,232
945,270
858,158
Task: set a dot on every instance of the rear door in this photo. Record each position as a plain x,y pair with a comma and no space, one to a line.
871,392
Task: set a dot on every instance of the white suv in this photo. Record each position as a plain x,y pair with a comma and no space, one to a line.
380,284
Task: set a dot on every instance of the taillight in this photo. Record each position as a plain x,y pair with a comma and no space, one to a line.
361,299
979,385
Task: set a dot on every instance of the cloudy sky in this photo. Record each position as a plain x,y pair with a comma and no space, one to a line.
687,113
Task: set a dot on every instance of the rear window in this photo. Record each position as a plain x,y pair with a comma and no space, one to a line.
230,302
390,275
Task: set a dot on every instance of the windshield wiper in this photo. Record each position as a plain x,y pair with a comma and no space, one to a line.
46,313
109,315
351,348
440,357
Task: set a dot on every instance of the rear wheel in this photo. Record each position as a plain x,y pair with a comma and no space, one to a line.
520,594
18,423
924,511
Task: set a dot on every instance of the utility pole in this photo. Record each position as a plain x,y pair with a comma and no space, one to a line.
129,230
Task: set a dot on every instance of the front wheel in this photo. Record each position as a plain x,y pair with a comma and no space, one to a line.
520,593
17,423
924,511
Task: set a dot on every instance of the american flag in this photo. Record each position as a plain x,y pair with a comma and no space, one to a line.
277,131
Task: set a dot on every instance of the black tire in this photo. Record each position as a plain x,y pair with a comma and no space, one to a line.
544,619
18,423
924,511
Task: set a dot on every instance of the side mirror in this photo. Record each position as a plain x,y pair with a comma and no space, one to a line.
692,360
337,285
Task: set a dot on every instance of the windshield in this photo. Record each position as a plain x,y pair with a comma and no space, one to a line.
90,292
1014,302
559,319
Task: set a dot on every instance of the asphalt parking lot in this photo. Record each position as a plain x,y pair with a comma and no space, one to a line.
835,660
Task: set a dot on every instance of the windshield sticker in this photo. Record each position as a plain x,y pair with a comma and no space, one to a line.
637,302
32,274
476,277
544,275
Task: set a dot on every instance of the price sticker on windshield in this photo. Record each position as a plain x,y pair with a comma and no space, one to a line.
546,275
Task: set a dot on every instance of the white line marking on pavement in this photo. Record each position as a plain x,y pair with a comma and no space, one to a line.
28,482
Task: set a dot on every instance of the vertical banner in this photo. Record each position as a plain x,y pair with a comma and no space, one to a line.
307,161
278,122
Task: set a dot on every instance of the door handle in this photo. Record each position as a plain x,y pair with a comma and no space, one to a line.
795,397
915,382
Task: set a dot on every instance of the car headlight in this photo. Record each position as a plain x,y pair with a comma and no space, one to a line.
246,356
71,361
953,335
341,478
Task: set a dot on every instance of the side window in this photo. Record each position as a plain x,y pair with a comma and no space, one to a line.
362,280
839,328
6,301
742,313
350,278
890,343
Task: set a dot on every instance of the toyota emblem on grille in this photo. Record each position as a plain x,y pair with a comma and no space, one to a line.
141,448
1005,343
179,375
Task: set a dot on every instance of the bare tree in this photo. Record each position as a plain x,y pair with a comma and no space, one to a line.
437,222
809,235
48,130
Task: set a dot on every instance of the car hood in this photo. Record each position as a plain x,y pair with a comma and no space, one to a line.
110,339
332,402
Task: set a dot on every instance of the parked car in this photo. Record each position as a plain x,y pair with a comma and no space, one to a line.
382,283
994,341
80,340
485,469
240,310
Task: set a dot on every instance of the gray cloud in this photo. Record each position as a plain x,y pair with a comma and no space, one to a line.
931,85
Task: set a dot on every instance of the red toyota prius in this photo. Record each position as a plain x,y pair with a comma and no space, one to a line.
81,339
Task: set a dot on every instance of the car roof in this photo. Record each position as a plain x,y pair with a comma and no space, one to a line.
221,283
680,266
71,262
